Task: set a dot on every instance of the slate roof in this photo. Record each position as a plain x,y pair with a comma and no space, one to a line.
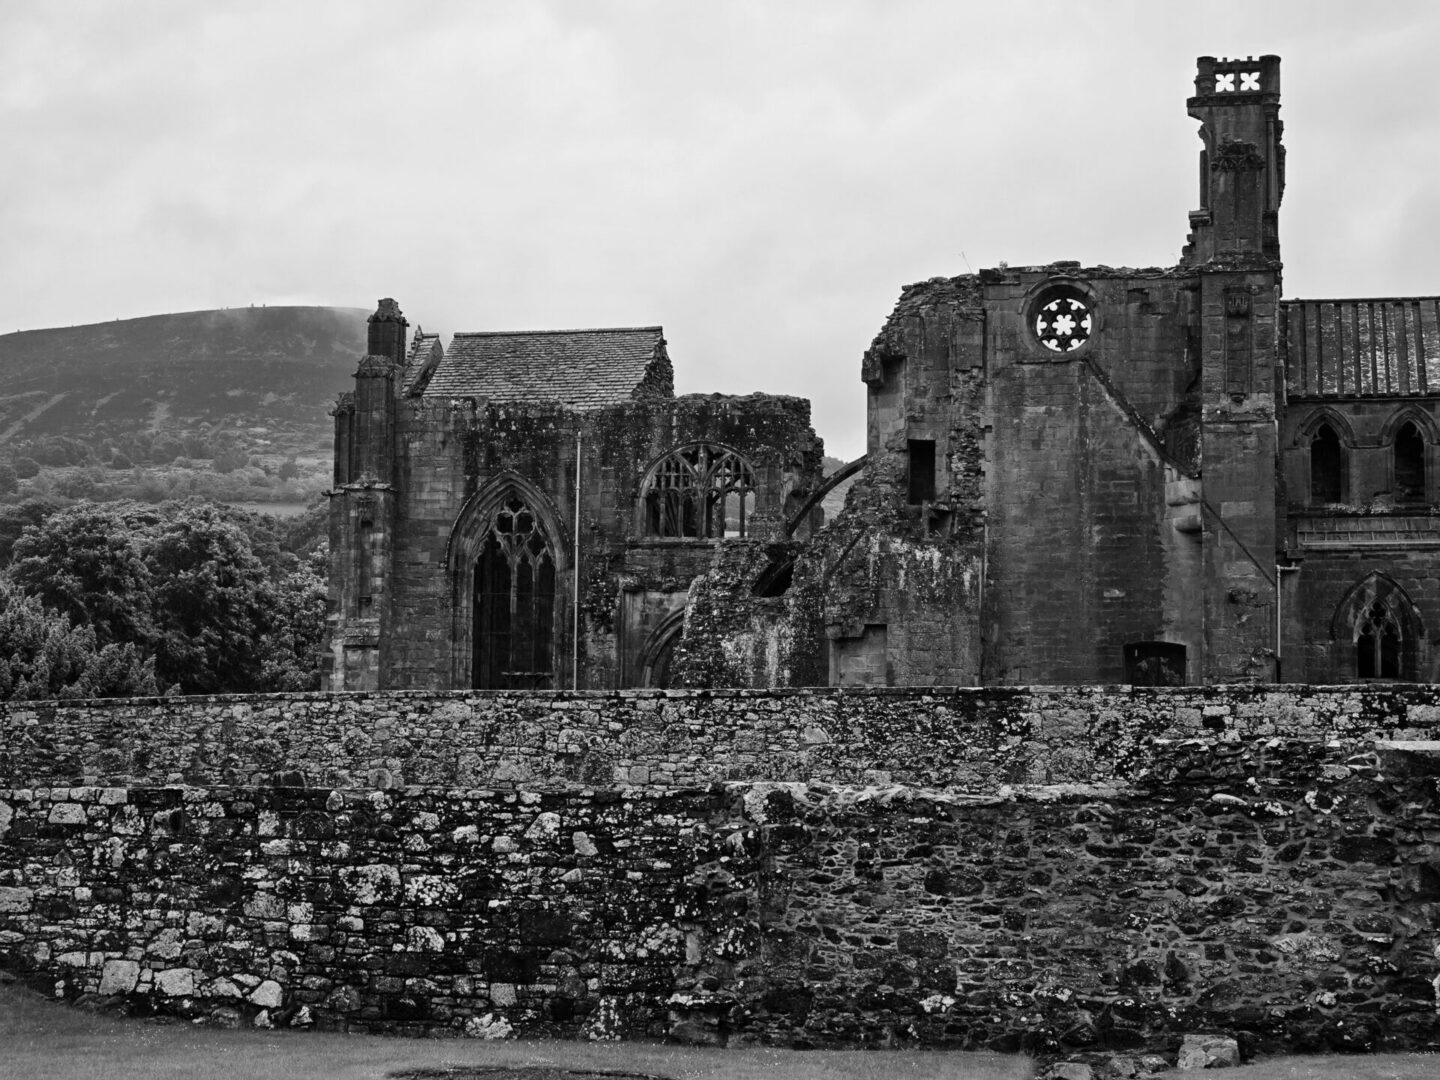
1348,348
585,369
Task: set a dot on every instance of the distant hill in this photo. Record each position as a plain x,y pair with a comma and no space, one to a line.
262,366
203,391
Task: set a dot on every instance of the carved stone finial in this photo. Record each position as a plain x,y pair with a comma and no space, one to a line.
387,331
387,310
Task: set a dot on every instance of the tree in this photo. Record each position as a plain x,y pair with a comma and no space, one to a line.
208,592
88,562
43,655
307,532
211,603
230,458
9,479
13,520
290,653
75,484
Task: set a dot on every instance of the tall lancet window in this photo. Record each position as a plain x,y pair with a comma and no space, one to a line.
1327,466
515,603
1409,465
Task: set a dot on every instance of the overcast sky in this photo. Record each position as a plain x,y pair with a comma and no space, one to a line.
759,178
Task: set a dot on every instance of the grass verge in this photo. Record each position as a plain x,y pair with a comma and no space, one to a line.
42,1040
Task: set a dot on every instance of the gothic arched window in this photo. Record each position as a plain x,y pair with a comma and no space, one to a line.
514,603
1327,466
1378,639
700,491
1409,464
1378,633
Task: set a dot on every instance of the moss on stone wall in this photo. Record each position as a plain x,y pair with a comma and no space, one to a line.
1279,890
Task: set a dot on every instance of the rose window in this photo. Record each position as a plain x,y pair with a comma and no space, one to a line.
1063,323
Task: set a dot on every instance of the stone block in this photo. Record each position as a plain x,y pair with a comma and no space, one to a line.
424,939
490,1026
175,982
119,976
67,813
1208,1052
502,995
15,899
268,995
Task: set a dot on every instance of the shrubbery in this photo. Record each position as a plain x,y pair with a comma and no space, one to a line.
214,600
44,655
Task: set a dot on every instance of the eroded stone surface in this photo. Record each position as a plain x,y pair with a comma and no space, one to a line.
1208,1052
1080,918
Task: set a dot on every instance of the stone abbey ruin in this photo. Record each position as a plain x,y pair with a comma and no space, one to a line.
1074,474
1099,717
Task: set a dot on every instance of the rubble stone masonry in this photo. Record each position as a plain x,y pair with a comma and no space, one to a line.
1053,870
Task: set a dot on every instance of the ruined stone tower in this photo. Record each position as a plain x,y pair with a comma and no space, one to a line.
1088,474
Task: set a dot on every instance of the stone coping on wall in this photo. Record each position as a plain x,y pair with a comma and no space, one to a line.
943,738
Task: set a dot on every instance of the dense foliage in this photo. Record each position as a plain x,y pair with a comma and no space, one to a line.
44,655
215,600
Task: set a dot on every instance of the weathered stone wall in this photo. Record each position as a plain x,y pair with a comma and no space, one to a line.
1081,559
1367,429
1320,620
895,584
947,739
1282,890
403,912
410,469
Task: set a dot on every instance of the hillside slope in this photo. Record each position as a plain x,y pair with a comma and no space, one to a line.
268,367
231,404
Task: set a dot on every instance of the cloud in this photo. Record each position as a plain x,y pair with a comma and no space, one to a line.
760,178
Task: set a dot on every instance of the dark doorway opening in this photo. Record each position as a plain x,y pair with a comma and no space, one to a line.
1155,663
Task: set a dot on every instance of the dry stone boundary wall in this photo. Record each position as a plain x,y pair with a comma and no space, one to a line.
1051,870
960,739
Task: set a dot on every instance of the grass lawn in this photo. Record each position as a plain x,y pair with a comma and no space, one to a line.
1348,1067
41,1040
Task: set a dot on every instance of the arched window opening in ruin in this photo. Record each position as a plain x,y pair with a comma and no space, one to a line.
699,491
1409,465
1327,466
1378,639
514,603
1155,663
